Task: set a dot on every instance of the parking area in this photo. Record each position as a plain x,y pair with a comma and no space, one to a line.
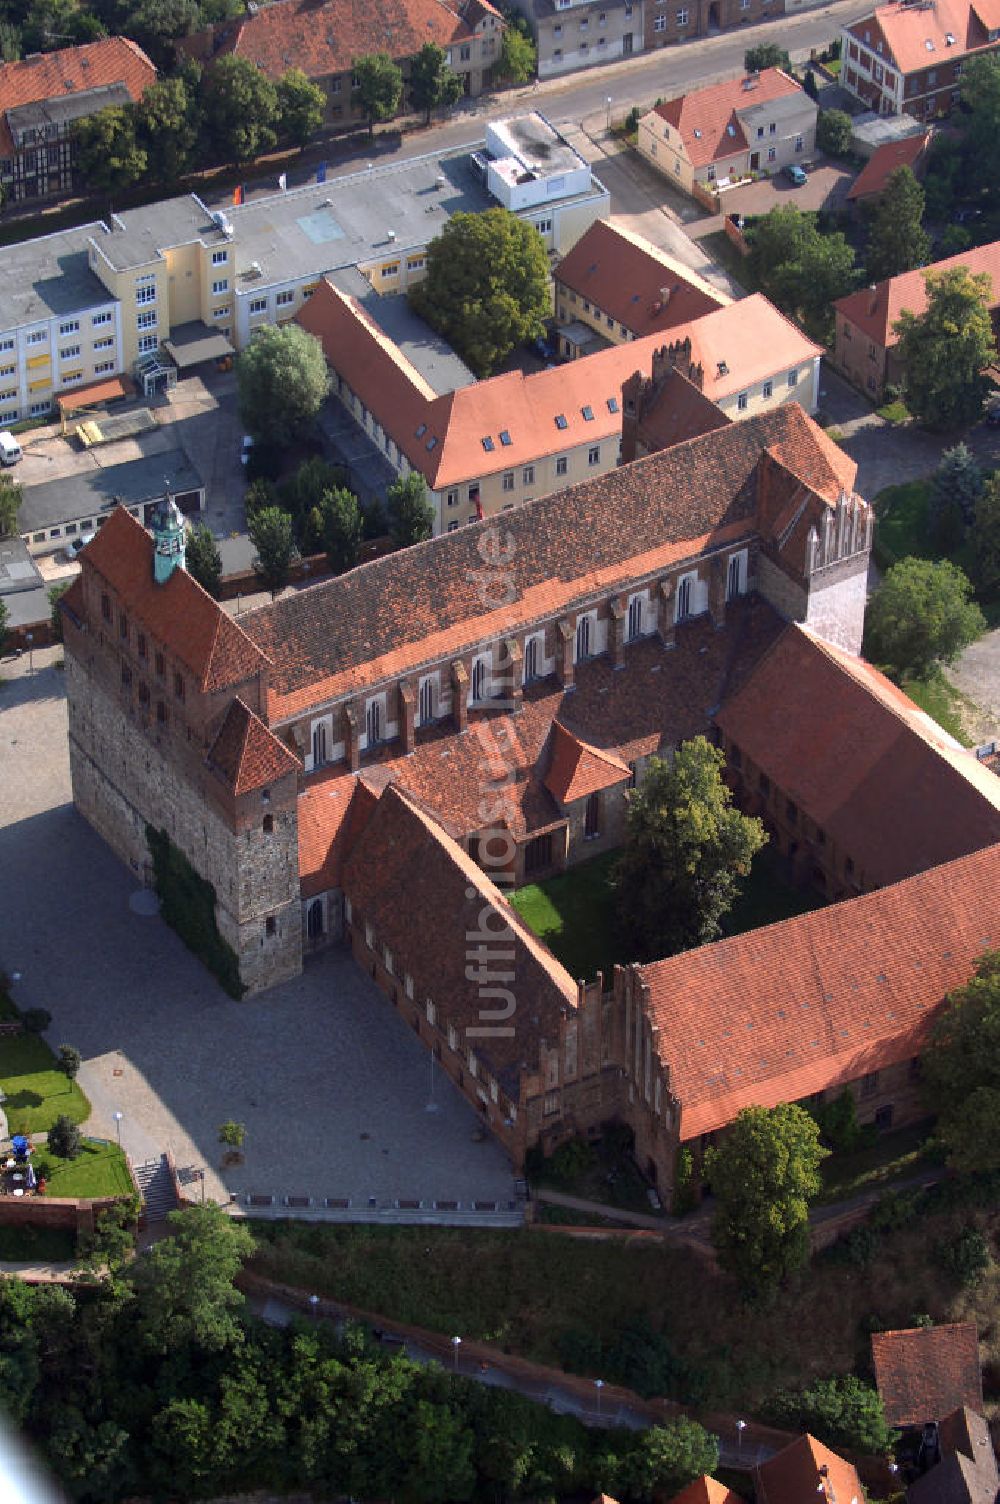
825,187
332,1086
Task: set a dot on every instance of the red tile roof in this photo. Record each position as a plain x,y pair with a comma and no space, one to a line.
663,699
890,789
884,161
247,754
677,411
737,344
71,70
577,769
706,1490
779,1013
404,873
708,120
395,614
807,1470
324,39
908,29
874,312
922,1373
627,277
179,612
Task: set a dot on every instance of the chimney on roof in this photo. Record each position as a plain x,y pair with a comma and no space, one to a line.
664,298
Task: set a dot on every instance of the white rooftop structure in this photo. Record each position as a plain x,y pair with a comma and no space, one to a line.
532,163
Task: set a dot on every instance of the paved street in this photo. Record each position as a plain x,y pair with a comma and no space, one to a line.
331,1085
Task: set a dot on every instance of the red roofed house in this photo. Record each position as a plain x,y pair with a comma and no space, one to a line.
871,181
865,349
43,96
756,123
924,1373
907,58
807,1470
706,1490
324,39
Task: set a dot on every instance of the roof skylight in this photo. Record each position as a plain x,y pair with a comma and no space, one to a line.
588,414
561,420
505,438
488,444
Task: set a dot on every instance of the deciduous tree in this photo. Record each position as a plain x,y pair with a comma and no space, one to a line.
108,153
411,516
842,1412
686,849
956,487
897,240
168,119
666,1458
10,502
184,1285
156,25
433,85
342,526
487,286
803,270
240,110
378,87
283,381
961,1070
980,88
833,132
945,350
203,560
518,56
765,55
764,1174
986,538
921,614
301,104
270,530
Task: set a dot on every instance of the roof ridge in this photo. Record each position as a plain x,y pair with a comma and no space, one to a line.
609,757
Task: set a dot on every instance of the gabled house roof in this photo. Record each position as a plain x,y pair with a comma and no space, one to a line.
874,310
919,36
677,411
576,769
888,787
513,419
71,70
246,754
395,614
324,39
708,121
404,872
884,161
778,1013
925,1373
805,1470
967,1472
706,1490
179,612
640,286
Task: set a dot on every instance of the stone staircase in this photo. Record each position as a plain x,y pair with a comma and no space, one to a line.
156,1186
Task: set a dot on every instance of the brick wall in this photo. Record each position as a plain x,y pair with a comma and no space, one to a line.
52,1211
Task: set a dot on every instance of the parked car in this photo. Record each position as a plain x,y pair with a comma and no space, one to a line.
795,175
245,448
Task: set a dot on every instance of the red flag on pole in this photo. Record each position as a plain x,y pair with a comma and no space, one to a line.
238,194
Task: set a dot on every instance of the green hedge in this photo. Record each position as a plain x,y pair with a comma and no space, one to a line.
187,903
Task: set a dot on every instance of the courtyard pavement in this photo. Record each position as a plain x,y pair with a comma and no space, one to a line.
331,1084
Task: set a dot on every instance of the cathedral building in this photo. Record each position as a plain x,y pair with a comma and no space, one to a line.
375,760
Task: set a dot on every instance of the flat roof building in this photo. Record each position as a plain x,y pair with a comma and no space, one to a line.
57,511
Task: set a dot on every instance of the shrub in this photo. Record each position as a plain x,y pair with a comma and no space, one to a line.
571,1160
64,1138
856,1248
632,120
893,1210
70,1060
232,1134
36,1020
842,1411
965,1258
839,1127
833,132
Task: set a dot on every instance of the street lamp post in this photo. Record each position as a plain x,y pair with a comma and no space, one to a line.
118,1125
456,1343
598,1385
741,1426
314,1305
607,109
29,639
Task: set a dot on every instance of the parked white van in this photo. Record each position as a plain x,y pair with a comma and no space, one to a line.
10,449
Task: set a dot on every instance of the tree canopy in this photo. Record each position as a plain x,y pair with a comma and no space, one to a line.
168,120
301,105
487,286
202,558
842,1412
411,515
833,132
980,89
763,1175
897,240
10,502
945,350
378,87
283,382
686,849
270,530
433,85
801,268
986,538
961,1070
765,55
956,486
922,613
341,527
108,153
240,109
518,56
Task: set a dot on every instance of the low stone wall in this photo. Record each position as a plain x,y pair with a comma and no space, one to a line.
735,234
52,1211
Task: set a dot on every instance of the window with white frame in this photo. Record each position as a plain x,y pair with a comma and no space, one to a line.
685,596
736,575
634,625
147,343
427,700
69,352
6,344
660,23
104,366
146,294
742,401
320,744
220,313
97,319
767,389
146,320
104,344
583,638
682,18
532,656
72,327
258,305
793,378
37,337
37,410
284,299
373,722
219,286
594,455
479,680
219,258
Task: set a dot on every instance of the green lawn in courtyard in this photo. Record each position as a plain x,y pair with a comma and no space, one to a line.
99,1169
892,1157
574,912
24,1244
37,1092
